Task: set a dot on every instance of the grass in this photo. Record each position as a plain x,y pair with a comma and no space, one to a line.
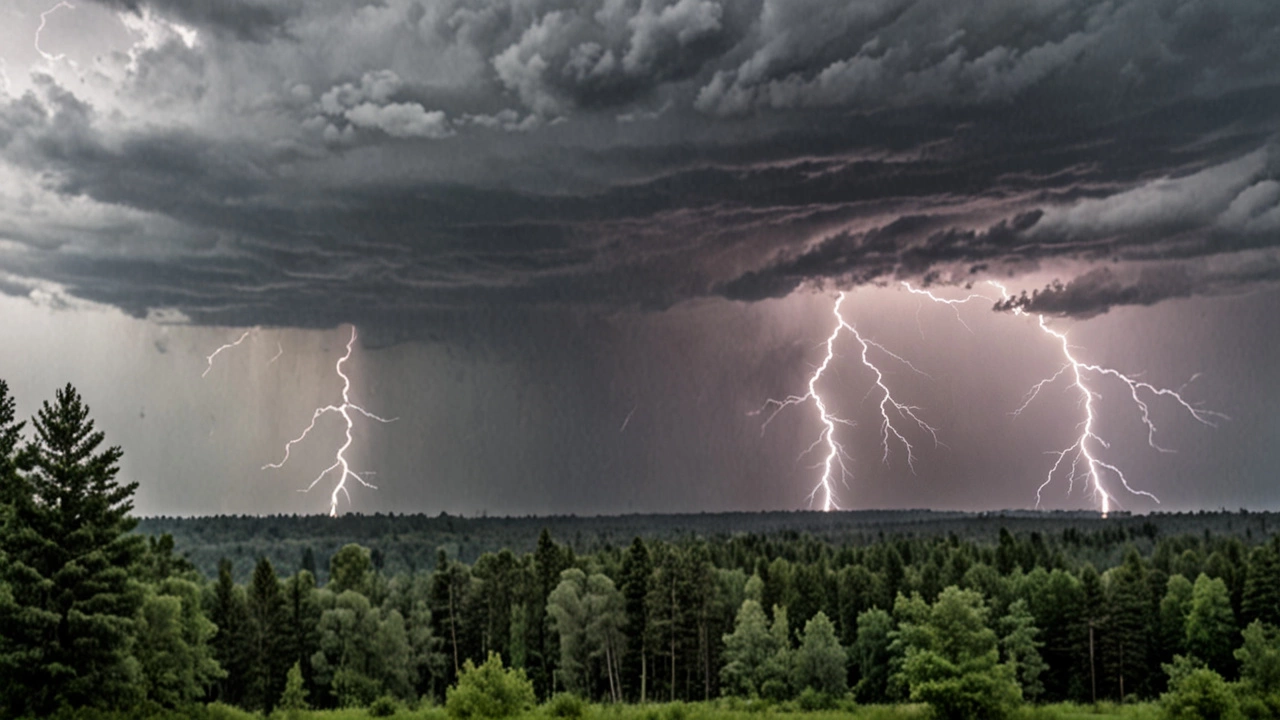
734,709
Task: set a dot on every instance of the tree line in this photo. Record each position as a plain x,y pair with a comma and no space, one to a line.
97,615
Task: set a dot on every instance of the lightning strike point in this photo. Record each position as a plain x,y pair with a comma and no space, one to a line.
340,464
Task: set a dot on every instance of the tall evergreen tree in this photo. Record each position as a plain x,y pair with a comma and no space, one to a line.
69,554
1261,599
229,612
301,638
636,573
11,481
269,658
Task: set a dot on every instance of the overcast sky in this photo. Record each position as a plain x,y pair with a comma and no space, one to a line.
582,241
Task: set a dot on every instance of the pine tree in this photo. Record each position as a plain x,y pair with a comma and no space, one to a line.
69,627
268,655
11,481
294,698
230,614
636,573
301,636
1261,599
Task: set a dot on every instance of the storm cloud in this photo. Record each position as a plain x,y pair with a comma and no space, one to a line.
410,166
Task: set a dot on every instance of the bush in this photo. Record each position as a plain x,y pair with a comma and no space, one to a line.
811,700
677,711
1197,693
489,691
384,706
566,705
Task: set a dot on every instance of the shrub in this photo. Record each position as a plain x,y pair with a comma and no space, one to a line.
566,705
811,700
489,691
384,706
1197,693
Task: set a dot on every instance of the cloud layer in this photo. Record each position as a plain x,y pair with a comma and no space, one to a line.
408,165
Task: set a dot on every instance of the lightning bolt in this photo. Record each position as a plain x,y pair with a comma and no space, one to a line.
340,460
44,18
209,358
836,457
1084,462
953,302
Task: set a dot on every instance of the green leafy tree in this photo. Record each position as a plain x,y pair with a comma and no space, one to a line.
775,674
1211,628
346,660
1174,608
952,662
489,691
68,554
870,653
1259,658
1197,693
606,618
351,568
747,650
172,644
568,614
587,615
820,663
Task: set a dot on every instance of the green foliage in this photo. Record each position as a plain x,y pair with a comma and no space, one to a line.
870,653
69,624
1211,628
1197,693
820,663
294,697
349,569
812,700
1259,658
951,661
747,652
1020,647
172,644
566,705
384,706
489,691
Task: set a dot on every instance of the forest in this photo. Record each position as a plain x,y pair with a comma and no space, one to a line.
881,615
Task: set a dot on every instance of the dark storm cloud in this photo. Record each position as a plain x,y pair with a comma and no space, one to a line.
251,20
1100,289
412,165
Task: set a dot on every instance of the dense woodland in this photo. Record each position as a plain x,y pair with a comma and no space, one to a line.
973,616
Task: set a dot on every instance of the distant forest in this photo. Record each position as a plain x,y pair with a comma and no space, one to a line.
967,616
409,543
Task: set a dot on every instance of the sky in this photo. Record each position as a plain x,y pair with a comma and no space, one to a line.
583,243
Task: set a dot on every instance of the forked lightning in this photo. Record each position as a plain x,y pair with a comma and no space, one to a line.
836,456
340,464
